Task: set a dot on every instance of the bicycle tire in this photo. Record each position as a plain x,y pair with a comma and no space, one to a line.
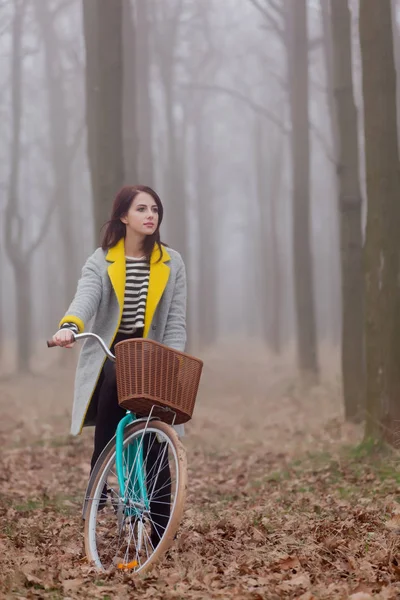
179,501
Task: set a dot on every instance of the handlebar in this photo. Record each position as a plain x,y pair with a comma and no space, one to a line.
82,336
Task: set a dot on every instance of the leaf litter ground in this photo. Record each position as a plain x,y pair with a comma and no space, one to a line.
285,499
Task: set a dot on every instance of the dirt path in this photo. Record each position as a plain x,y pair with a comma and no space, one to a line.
283,503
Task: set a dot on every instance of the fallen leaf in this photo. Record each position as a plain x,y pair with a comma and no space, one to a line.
363,587
394,524
72,585
302,580
288,563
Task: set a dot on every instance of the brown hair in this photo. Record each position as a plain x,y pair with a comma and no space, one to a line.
115,229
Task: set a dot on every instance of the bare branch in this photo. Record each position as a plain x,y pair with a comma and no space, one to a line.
329,153
4,28
261,110
281,79
264,112
260,8
277,7
270,18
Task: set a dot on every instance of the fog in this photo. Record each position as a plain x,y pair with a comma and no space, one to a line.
206,121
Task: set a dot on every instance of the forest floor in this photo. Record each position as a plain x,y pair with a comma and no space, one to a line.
285,499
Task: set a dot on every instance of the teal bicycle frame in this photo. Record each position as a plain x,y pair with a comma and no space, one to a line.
135,494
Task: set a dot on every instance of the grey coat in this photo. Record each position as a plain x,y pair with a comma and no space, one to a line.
98,304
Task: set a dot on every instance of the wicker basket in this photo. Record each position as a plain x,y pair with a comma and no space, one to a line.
151,374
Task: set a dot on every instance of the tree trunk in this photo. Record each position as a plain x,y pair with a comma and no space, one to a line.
13,226
350,205
207,283
130,82
104,106
176,200
260,244
275,259
61,155
19,246
296,28
166,40
396,47
332,275
144,106
383,222
22,278
268,164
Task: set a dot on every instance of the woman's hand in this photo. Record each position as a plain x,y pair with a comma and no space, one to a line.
64,337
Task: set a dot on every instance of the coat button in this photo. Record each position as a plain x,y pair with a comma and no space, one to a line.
154,327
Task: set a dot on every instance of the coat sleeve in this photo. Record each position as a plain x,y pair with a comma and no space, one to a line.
175,329
87,296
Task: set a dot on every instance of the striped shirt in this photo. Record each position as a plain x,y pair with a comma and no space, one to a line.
136,288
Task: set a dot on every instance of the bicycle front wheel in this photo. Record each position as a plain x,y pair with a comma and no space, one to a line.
131,529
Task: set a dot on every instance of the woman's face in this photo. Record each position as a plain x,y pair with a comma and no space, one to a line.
142,216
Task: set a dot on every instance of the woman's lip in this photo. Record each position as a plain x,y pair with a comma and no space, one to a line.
149,224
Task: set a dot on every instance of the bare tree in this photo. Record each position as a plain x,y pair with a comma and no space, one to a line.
19,245
207,284
297,53
383,221
144,100
396,46
200,63
288,20
104,102
268,164
63,146
332,299
350,205
165,43
130,92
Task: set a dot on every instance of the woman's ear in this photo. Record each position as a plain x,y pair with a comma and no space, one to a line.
124,219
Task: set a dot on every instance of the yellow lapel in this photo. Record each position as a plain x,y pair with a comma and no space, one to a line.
117,271
159,275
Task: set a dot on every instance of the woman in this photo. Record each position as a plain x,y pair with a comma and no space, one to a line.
133,286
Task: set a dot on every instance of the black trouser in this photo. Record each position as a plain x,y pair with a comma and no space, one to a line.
109,414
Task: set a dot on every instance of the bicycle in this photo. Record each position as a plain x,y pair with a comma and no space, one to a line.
136,493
